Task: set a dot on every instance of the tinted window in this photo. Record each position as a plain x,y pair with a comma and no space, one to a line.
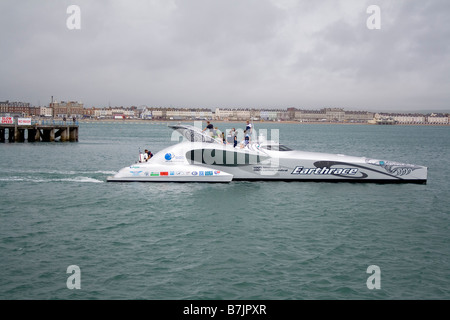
277,147
221,157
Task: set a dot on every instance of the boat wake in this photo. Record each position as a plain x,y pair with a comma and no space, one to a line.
43,179
42,176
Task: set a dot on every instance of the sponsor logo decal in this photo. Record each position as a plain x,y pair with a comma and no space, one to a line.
194,173
154,174
325,171
201,173
135,173
216,172
169,156
264,169
172,173
164,173
208,173
395,168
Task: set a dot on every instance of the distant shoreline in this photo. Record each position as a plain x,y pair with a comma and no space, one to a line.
261,122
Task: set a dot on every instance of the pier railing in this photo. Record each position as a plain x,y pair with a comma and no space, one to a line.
54,122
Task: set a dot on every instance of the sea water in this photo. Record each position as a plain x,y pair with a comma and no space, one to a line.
242,240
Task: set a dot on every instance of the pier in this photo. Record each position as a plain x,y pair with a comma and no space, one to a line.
38,131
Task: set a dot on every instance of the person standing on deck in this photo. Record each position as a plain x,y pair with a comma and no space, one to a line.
248,128
209,126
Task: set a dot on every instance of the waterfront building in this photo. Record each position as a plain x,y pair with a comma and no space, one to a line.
410,118
103,113
310,115
334,114
291,113
269,115
46,112
226,114
437,119
358,116
188,114
243,114
130,113
283,115
89,112
158,113
329,115
35,111
255,114
117,111
15,109
67,109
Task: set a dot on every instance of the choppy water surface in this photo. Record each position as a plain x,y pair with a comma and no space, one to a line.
242,240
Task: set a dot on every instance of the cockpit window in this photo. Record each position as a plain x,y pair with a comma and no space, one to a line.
276,147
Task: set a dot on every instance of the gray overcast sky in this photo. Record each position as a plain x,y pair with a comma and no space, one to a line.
228,53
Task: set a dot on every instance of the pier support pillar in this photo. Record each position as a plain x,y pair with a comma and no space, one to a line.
52,135
48,135
32,135
19,135
2,135
11,134
65,134
37,135
73,135
45,135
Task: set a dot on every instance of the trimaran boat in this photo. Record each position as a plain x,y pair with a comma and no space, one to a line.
202,158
